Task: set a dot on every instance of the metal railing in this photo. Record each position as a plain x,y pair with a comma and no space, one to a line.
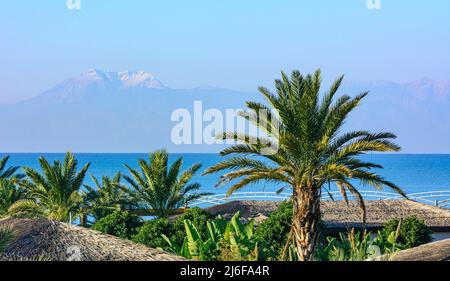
435,198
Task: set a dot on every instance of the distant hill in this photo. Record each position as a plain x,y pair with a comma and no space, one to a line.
102,111
130,111
418,112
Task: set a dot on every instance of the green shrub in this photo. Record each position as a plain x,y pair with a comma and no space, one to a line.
150,234
197,216
413,231
120,224
152,231
272,233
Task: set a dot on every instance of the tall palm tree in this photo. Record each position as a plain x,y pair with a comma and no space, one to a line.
105,197
10,193
9,172
56,192
312,152
161,189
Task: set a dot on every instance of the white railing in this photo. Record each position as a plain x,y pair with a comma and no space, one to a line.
435,198
217,199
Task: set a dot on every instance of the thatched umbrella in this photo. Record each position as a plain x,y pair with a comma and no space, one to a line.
56,241
436,251
339,216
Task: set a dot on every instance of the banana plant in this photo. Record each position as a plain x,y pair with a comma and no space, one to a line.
238,242
387,243
231,240
355,246
6,237
194,247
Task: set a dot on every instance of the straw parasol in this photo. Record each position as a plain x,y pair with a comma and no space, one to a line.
338,215
43,239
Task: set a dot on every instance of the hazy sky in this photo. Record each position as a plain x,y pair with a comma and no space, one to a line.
237,44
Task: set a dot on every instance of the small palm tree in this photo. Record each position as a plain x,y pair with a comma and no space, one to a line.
311,154
160,189
56,192
9,172
6,237
10,193
106,197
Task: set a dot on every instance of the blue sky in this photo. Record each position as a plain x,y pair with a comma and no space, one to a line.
228,43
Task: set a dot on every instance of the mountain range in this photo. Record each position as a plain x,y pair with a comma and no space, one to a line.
130,111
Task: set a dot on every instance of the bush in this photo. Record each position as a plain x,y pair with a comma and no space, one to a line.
272,233
120,224
413,231
150,234
197,216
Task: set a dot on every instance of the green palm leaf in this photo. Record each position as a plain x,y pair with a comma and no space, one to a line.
56,192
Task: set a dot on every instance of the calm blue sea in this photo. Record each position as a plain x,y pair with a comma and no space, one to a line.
412,172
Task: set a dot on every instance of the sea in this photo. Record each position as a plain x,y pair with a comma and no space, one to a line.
412,172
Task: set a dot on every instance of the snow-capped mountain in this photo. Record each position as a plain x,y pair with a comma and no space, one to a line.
103,111
94,81
124,79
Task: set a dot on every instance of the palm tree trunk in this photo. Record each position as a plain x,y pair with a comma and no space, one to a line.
305,221
83,220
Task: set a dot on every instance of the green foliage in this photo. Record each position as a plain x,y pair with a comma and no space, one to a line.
10,172
238,242
198,217
150,234
387,242
56,192
272,233
231,240
120,224
26,209
350,247
6,237
194,246
355,246
160,187
10,193
107,197
413,231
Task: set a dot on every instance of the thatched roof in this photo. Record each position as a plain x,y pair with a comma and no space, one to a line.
60,242
258,210
337,214
435,251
